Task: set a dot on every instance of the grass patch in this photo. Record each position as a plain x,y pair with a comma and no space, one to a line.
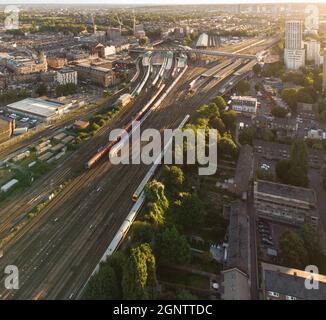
183,278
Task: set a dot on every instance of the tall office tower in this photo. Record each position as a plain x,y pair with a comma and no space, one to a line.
294,54
324,72
293,34
313,52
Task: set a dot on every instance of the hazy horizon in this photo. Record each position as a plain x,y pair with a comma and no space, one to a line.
155,2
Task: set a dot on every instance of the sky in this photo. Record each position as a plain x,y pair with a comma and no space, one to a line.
153,2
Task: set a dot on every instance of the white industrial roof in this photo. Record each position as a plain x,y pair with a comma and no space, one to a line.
37,107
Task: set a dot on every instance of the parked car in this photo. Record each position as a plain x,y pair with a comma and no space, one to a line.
266,236
267,241
264,231
264,227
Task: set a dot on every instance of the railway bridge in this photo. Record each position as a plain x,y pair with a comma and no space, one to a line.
196,51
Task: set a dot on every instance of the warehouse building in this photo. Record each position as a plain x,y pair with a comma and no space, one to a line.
42,110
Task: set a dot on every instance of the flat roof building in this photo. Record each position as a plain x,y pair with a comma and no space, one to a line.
244,104
43,110
283,283
244,171
102,76
235,276
285,203
67,75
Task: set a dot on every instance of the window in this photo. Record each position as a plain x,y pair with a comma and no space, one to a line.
273,294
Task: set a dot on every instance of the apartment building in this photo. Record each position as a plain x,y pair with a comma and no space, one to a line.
67,75
101,76
283,283
285,203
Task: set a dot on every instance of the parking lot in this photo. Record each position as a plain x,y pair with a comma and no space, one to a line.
268,235
20,121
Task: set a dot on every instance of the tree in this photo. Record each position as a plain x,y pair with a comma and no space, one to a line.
282,169
158,203
220,102
188,211
321,106
95,127
279,112
173,176
246,135
65,89
322,116
264,175
139,276
290,97
313,246
207,112
142,231
257,69
106,283
295,170
185,295
42,90
292,250
143,41
227,147
323,175
306,95
243,87
230,120
103,285
218,124
299,166
171,247
154,192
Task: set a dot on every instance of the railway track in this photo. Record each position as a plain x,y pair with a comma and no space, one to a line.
60,248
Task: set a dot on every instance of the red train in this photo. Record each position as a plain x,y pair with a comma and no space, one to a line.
90,163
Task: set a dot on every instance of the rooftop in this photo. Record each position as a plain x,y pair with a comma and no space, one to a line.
238,249
291,282
244,98
287,191
43,108
244,169
93,67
